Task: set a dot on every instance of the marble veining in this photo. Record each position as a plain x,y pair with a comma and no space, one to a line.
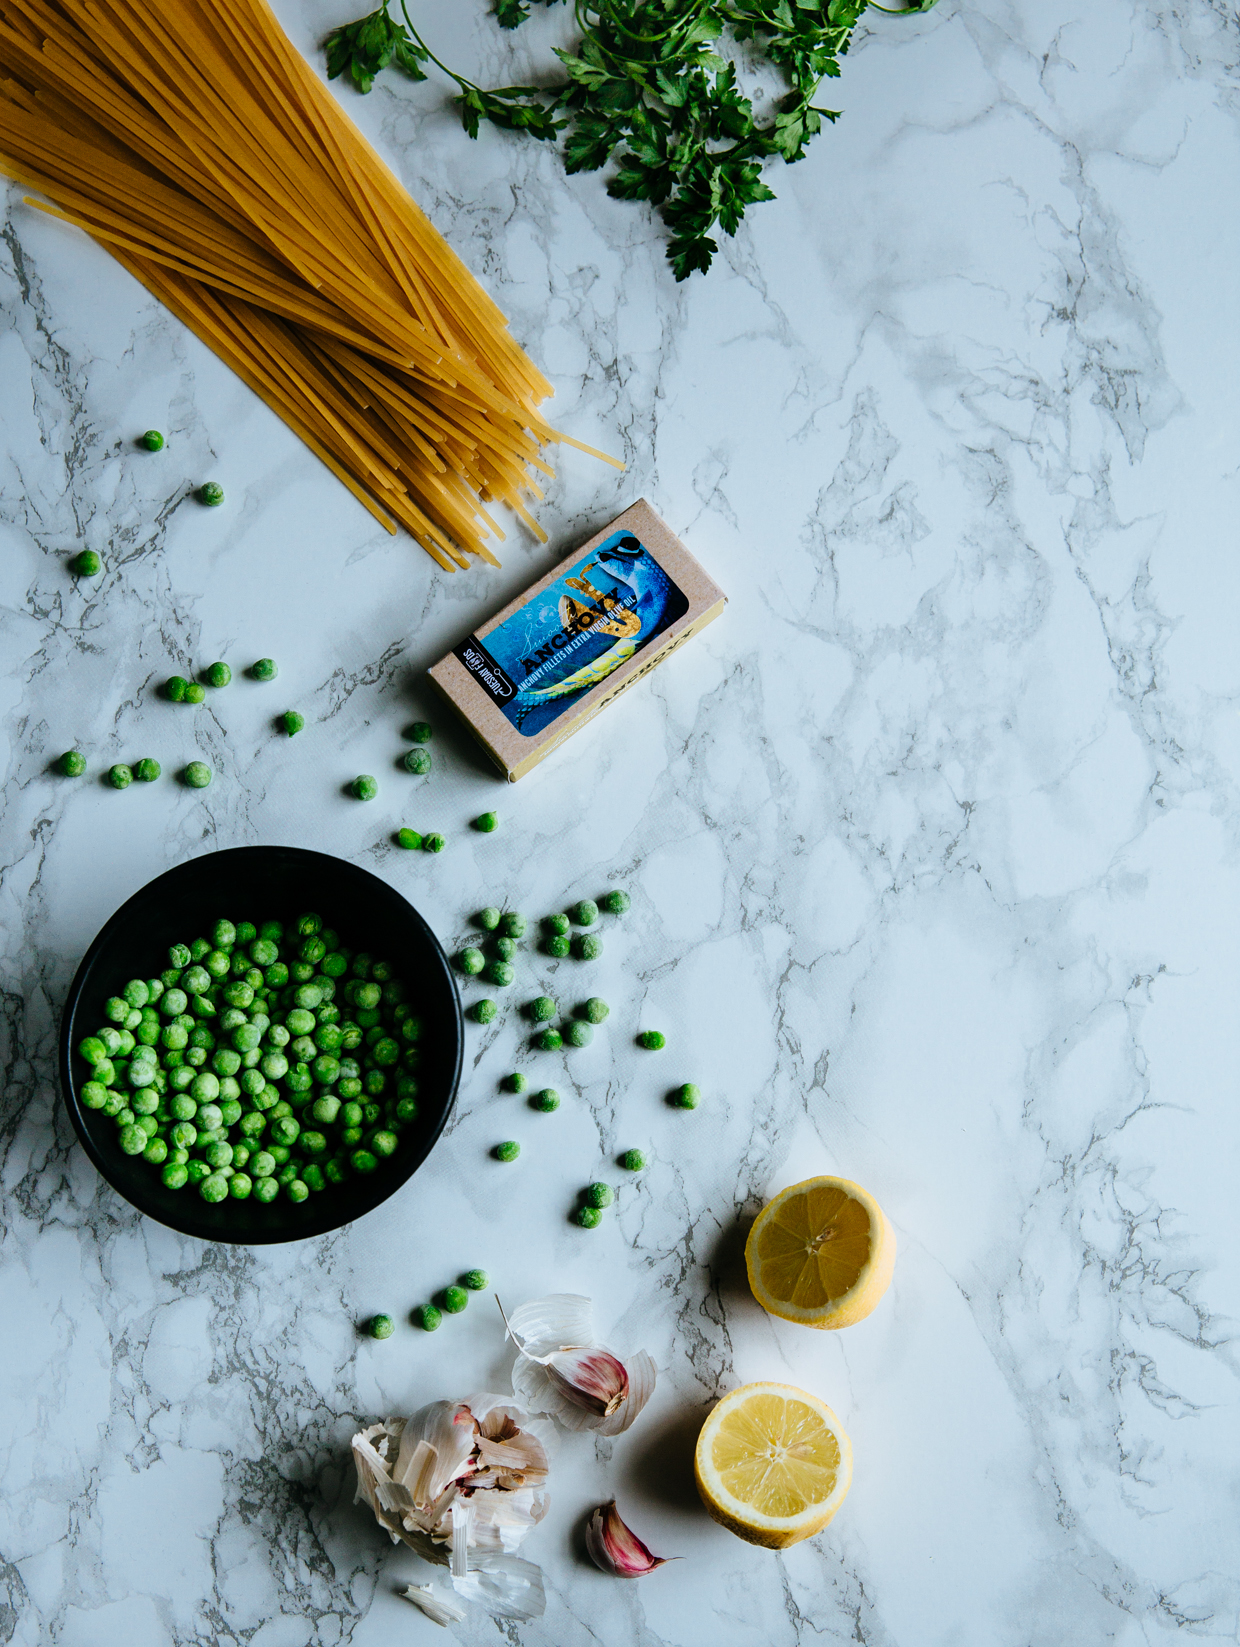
932,843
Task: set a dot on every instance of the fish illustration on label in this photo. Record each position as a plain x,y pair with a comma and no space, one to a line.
579,630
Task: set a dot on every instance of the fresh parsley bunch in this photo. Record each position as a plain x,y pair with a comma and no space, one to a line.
647,88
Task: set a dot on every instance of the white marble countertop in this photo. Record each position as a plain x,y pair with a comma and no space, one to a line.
931,841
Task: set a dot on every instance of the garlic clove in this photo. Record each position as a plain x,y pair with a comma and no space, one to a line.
615,1548
590,1378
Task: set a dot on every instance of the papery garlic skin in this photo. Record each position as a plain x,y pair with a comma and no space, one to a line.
557,1349
615,1548
440,1609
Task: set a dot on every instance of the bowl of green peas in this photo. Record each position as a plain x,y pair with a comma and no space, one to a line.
261,1045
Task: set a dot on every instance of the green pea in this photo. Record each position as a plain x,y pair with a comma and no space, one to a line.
600,1195
556,947
262,1164
364,787
633,1160
325,1110
197,1171
499,973
293,722
595,1010
219,674
652,1039
184,1134
418,762
433,842
132,1139
219,1155
586,947
72,764
297,1190
483,1012
197,775
549,1040
579,1033
266,1190
546,1100
116,1008
488,918
314,1143
175,1175
507,1151
516,1082
485,823
86,564
504,948
264,669
584,912
381,1326
211,493
214,1188
92,1049
420,732
240,1186
616,903
589,1217
409,839
362,1160
406,1110
385,1052
454,1299
152,440
94,1094
175,687
687,1096
542,1008
120,776
427,1317
555,926
471,962
512,925
195,692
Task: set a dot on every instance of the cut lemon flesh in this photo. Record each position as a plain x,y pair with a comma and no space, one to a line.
821,1253
773,1464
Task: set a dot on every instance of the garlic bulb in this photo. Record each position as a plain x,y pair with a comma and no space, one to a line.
561,1370
462,1483
615,1548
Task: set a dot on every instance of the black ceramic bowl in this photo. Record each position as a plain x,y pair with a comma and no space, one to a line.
260,883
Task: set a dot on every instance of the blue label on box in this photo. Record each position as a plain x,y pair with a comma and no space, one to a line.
540,662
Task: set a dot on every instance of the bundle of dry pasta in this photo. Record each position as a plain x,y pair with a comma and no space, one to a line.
250,205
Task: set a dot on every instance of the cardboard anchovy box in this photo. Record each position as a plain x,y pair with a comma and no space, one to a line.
574,641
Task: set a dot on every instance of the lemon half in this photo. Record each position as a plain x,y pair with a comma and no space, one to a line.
821,1253
772,1464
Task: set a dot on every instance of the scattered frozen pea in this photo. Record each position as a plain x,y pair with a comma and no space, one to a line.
476,1280
687,1096
197,774
211,493
579,1033
427,1317
486,822
152,441
421,732
293,722
418,762
584,912
616,903
652,1039
556,926
174,688
433,842
600,1195
504,949
589,1217
72,764
633,1160
195,692
557,947
499,973
507,1151
86,564
219,674
455,1299
546,1101
595,1010
487,919
381,1326
482,1012
512,925
516,1082
586,947
409,839
549,1040
147,770
471,962
264,669
120,776
542,1009
364,787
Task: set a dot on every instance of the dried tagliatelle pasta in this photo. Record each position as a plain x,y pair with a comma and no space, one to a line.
462,1483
